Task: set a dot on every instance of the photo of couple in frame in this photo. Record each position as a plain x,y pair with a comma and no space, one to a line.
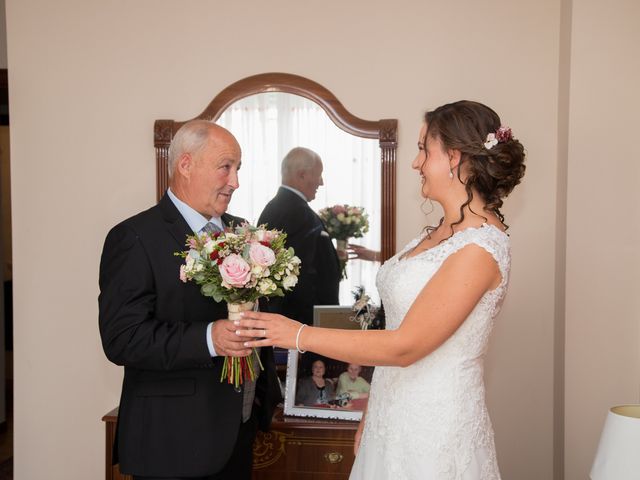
322,387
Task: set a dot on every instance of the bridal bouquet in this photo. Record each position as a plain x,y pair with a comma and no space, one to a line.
344,222
239,266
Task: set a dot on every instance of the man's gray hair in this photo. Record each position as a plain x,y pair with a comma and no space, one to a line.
297,160
190,138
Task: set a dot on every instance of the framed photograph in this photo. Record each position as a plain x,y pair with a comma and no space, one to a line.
321,387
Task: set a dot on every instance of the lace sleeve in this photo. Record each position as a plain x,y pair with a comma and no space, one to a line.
493,240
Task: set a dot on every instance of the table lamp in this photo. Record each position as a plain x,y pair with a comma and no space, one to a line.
618,456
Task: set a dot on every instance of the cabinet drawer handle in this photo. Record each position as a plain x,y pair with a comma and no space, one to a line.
333,457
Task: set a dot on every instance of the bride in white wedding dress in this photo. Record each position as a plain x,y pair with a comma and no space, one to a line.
426,417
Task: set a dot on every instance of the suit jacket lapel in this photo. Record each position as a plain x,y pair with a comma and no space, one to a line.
176,224
196,306
227,220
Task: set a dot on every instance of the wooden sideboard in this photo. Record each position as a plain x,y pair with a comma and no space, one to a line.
112,472
295,449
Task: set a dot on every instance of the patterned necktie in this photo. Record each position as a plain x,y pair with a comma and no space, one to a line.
249,390
211,227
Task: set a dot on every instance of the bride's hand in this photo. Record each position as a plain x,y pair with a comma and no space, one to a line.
268,329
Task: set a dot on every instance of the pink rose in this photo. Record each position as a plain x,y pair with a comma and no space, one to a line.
235,271
339,209
261,255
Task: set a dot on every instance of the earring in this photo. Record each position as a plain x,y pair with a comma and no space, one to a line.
451,174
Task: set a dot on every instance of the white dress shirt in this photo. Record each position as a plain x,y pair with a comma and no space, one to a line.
297,192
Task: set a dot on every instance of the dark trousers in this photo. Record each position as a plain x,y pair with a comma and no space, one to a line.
239,466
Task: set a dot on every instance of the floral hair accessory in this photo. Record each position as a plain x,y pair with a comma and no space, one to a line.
502,135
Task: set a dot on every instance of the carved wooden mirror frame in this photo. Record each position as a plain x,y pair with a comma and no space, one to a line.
384,130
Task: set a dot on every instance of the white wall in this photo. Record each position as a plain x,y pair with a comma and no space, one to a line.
3,36
603,224
87,80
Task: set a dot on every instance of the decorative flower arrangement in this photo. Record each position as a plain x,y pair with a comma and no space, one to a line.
239,266
502,135
343,222
368,315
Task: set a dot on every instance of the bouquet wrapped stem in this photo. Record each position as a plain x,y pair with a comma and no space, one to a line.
343,256
341,247
236,370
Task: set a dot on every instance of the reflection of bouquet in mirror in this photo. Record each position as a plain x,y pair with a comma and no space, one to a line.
366,313
239,266
342,223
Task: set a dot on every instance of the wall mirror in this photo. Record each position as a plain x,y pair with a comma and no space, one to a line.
271,113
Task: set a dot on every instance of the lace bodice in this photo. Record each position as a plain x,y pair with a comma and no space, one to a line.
429,420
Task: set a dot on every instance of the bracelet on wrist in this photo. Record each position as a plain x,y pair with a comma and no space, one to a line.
298,339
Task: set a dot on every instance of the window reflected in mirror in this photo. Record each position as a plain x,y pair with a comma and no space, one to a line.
267,126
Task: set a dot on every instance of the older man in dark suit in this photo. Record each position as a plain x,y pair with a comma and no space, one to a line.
176,419
289,211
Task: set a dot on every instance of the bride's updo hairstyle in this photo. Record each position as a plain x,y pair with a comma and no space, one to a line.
493,159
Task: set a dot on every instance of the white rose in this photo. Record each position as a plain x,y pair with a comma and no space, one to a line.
289,282
266,286
208,247
189,263
256,270
266,236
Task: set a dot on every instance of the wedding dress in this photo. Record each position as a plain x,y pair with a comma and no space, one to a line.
429,421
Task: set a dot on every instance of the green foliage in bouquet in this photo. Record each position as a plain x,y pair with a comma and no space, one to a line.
241,264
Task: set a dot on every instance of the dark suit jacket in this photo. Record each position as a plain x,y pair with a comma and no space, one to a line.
320,269
176,418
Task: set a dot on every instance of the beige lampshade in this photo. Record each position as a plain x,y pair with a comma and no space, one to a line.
618,456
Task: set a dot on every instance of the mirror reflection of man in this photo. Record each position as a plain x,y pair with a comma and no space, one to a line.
290,212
